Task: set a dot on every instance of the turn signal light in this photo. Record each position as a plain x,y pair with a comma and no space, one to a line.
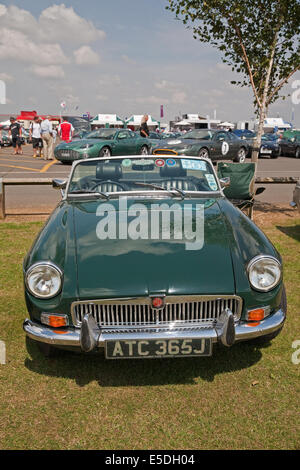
56,321
256,315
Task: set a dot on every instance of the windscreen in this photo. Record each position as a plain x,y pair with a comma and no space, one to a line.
138,173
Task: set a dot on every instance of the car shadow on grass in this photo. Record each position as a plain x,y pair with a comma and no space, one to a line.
85,368
293,232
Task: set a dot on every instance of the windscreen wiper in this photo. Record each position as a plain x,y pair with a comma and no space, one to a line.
86,191
157,186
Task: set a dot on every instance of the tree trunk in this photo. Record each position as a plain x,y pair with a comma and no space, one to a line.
260,131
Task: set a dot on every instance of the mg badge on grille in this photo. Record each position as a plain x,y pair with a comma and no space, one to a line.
157,302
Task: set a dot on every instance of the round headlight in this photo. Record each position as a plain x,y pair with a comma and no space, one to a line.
44,280
264,273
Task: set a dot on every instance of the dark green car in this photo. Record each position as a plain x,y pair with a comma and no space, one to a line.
103,143
213,144
146,258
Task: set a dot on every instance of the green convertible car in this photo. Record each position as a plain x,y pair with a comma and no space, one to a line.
146,258
217,145
103,143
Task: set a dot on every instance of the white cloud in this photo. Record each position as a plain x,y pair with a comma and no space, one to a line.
16,45
50,71
86,56
62,23
18,19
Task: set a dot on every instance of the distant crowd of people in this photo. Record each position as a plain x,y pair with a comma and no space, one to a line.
42,135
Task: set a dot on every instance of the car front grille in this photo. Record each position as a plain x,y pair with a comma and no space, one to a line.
67,154
164,152
187,310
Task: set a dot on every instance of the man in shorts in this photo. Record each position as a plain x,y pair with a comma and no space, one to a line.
15,131
35,137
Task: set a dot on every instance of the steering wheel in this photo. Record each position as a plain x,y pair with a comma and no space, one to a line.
109,182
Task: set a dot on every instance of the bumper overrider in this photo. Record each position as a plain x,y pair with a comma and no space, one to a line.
90,336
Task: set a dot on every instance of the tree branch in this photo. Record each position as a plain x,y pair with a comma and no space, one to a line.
280,84
246,60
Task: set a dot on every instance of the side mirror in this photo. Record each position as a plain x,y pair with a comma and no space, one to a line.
59,184
225,182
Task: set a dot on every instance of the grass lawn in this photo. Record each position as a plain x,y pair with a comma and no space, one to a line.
245,397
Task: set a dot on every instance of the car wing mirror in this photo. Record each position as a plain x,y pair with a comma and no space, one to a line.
59,184
225,182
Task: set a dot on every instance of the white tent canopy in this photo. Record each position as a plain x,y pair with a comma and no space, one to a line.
226,124
184,122
276,122
103,119
136,119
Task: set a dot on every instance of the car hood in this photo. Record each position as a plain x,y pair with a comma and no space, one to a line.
80,143
269,143
127,267
180,143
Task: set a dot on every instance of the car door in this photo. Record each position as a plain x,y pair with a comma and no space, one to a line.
125,144
223,146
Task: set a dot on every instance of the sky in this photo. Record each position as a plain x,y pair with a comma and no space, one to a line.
116,57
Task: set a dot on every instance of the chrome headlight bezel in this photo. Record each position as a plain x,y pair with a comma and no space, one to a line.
258,259
47,265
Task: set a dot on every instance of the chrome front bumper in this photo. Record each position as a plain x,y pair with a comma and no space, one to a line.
95,337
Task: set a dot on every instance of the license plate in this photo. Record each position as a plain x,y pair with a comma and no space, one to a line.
266,151
158,348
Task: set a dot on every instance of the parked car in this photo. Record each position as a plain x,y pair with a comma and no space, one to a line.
247,136
216,145
112,269
103,143
269,146
6,140
290,146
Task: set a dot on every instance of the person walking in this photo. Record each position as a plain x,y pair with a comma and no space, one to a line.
144,130
65,130
15,132
35,137
46,134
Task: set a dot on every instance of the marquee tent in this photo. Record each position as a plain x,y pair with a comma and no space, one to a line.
107,119
136,119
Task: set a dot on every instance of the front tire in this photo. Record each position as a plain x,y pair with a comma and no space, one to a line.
297,152
105,152
144,150
241,156
203,153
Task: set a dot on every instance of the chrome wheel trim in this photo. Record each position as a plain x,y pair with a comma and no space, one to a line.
144,150
242,155
106,152
203,153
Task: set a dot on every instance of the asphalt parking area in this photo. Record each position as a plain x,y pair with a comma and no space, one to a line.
20,166
42,199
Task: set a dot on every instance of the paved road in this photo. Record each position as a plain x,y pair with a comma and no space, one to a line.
37,199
